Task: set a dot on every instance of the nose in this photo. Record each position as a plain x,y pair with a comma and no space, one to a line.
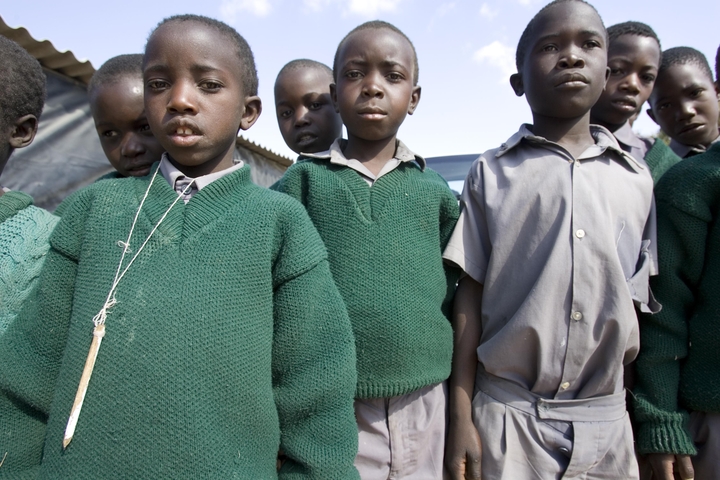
372,86
571,58
631,84
301,117
686,110
131,146
182,99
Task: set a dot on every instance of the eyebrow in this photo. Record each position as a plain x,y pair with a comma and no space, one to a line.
383,64
587,33
195,68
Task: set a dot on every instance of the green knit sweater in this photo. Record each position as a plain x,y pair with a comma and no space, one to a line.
385,246
228,342
24,233
660,158
678,368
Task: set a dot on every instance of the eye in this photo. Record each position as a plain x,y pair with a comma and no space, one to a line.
285,113
109,134
590,44
144,128
353,74
394,77
616,72
697,92
549,48
648,78
664,106
210,85
157,84
316,106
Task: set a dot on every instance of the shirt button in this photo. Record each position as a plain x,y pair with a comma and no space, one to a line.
565,385
576,316
580,233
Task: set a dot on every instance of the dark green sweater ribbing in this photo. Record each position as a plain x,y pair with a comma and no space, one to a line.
660,158
678,368
385,246
229,340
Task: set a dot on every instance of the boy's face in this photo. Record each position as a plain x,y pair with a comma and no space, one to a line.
634,61
565,67
194,97
305,113
121,124
684,103
374,90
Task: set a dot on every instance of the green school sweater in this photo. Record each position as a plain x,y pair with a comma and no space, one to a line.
385,246
229,341
660,158
678,367
24,233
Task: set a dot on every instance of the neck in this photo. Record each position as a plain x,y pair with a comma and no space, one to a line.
610,126
216,164
571,134
370,152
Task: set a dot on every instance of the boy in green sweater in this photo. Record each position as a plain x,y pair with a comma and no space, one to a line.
24,228
385,219
116,102
633,58
183,339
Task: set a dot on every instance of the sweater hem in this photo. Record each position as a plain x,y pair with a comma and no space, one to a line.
385,390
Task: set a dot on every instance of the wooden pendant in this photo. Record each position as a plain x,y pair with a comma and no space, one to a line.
98,334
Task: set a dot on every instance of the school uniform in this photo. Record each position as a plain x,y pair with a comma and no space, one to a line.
631,143
385,234
686,151
563,248
677,394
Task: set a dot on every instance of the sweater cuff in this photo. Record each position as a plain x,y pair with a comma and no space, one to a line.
667,436
12,202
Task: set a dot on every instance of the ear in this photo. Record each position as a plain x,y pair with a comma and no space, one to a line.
22,131
414,99
650,113
333,96
517,84
253,109
607,76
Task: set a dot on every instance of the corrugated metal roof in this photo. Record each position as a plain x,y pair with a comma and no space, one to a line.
66,64
48,56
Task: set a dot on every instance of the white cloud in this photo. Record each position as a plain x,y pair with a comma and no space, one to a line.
498,55
487,12
229,9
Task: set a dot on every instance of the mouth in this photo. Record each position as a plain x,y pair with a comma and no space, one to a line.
183,133
692,128
304,139
626,104
372,113
573,80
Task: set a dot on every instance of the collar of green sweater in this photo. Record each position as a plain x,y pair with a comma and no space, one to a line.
12,202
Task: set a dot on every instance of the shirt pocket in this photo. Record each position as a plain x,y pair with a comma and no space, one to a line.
639,283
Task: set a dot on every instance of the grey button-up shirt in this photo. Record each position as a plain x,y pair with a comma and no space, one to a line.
685,151
562,246
631,143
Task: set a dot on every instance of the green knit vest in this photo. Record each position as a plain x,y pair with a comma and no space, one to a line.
385,246
660,158
228,342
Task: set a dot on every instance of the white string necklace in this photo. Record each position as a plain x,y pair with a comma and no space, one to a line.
110,301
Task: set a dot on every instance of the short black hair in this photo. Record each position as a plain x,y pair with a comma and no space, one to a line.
244,53
717,66
22,83
378,25
112,70
304,63
529,30
682,56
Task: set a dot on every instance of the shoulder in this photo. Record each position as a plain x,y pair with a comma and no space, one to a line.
692,181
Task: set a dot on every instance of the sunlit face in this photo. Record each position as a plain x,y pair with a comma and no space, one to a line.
565,68
634,61
684,103
194,96
306,116
374,91
119,113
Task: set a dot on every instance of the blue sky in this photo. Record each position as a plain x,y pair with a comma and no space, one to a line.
465,49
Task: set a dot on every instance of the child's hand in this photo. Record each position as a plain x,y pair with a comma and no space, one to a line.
463,451
662,466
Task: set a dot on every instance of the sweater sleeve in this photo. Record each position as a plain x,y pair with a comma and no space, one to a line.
314,375
449,214
31,351
664,336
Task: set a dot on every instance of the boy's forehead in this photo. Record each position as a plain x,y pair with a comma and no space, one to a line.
204,40
683,75
568,17
363,43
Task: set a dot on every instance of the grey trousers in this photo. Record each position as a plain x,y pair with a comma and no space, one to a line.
527,437
705,430
404,436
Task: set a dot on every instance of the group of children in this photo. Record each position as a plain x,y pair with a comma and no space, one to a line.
354,321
